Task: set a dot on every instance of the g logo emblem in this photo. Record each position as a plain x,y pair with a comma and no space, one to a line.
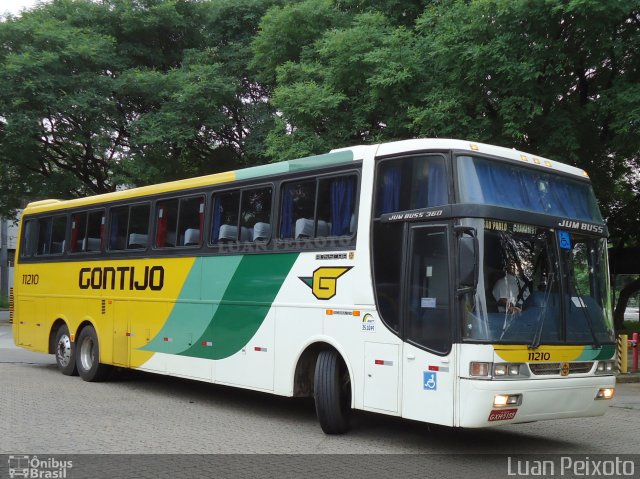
324,282
564,371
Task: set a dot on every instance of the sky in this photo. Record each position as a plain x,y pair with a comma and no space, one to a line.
14,6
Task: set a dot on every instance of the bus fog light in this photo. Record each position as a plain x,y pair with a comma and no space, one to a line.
605,393
479,369
502,400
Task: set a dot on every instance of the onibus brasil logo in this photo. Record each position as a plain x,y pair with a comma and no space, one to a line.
324,282
33,467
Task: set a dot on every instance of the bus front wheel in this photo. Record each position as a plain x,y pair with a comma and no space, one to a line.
332,392
88,357
65,352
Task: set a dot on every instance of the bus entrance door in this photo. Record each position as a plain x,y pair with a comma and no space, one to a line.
429,367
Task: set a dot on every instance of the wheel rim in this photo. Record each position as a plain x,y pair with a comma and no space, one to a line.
63,351
87,354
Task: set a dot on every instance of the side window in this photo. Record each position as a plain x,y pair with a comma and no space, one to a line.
411,183
129,227
51,235
44,236
138,227
118,221
298,209
318,208
95,231
167,222
336,206
180,222
225,213
78,232
87,231
29,238
255,215
191,221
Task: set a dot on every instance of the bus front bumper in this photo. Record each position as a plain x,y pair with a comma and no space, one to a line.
540,399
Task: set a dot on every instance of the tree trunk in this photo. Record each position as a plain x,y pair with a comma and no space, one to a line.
623,298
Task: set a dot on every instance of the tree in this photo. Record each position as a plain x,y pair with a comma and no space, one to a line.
121,92
560,79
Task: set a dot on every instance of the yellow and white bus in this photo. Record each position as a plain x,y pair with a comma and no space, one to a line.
443,281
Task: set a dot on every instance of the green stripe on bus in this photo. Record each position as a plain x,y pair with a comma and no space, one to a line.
245,304
300,164
606,351
208,279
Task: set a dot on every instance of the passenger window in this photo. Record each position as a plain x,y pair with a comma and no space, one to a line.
51,235
138,227
191,221
167,223
95,231
224,227
119,218
298,209
336,207
180,222
319,208
256,215
29,238
87,231
129,227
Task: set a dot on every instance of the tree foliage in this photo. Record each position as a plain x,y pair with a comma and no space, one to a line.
100,94
107,92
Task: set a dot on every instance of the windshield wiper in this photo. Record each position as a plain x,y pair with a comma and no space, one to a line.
537,337
585,311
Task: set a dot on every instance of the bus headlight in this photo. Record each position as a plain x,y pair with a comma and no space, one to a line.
605,367
605,393
479,369
508,370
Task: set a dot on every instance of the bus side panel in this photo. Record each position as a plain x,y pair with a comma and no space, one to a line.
252,366
295,329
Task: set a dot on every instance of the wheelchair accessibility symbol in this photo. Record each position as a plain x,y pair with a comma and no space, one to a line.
429,381
565,239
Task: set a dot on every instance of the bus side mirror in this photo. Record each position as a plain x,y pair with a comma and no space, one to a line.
467,259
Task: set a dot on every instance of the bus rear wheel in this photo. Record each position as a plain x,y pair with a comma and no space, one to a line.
332,392
88,357
65,352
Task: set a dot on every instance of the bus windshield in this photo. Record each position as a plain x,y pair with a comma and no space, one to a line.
497,183
537,285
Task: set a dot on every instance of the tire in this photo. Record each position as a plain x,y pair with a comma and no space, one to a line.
332,392
88,357
65,352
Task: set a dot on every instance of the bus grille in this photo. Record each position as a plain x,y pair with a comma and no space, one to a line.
550,369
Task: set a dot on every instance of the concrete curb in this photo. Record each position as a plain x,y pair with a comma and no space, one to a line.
628,378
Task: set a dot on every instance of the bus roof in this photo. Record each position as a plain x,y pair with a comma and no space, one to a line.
335,157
